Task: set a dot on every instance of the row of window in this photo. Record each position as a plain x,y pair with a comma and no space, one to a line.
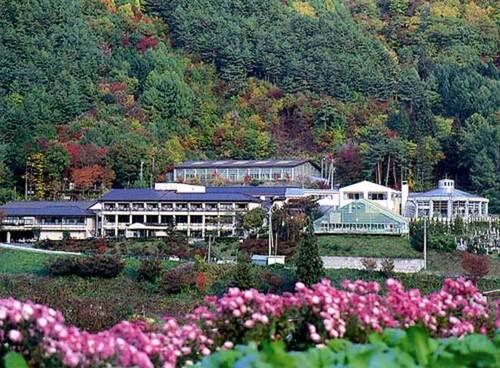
234,174
139,206
168,220
50,220
325,227
374,196
458,208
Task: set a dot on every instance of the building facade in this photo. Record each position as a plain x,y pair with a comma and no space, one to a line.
153,212
28,220
240,171
361,217
386,197
446,202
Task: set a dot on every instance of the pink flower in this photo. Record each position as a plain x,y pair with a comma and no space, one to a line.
228,345
15,336
249,323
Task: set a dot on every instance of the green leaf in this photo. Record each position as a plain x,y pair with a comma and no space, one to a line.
14,360
420,341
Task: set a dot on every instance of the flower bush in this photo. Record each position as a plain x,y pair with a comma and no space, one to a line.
308,317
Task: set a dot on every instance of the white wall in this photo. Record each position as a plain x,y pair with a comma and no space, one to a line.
366,187
180,187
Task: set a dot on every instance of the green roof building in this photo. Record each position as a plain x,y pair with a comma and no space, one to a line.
361,217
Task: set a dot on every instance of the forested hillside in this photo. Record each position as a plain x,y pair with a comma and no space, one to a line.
390,90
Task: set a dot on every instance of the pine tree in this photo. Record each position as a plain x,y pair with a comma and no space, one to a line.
309,263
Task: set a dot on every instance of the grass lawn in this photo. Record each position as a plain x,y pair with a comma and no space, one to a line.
17,262
366,246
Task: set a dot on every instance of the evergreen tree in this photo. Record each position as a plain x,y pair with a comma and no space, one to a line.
309,263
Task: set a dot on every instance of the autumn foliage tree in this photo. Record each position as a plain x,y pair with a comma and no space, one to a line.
476,266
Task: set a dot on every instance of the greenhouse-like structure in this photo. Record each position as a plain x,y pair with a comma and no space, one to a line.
361,217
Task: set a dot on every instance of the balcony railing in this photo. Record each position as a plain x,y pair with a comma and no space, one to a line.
175,208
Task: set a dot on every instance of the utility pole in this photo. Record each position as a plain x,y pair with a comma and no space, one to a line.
425,243
209,248
26,185
141,176
270,229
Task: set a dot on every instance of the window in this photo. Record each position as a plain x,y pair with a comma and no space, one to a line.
137,219
152,219
474,208
167,220
196,219
440,209
254,173
181,219
377,196
458,208
109,218
353,195
123,219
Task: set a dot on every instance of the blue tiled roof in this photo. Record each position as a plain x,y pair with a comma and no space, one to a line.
242,163
440,192
128,195
47,208
256,191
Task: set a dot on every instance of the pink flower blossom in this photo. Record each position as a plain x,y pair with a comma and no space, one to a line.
238,316
15,335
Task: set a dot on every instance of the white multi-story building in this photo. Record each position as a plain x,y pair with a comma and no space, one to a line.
192,209
29,220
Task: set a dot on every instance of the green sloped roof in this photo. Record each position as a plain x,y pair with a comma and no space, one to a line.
368,204
384,210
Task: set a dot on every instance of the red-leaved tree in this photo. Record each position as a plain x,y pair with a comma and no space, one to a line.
475,266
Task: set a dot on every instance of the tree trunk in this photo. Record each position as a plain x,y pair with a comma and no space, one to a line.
388,170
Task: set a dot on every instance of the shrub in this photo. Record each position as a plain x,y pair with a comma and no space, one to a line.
369,264
201,282
476,266
243,276
387,267
180,277
271,282
439,236
86,266
149,270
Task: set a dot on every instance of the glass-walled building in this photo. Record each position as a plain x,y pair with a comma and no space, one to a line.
241,171
447,202
361,217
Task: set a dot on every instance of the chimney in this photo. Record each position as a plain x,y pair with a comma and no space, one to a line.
404,197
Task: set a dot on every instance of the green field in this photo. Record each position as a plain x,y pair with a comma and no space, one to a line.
93,303
19,262
16,262
367,246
